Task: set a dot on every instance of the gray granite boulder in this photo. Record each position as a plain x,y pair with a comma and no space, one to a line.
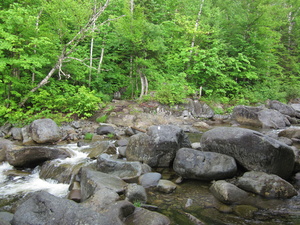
267,185
251,149
283,108
97,148
227,193
126,170
199,109
149,179
166,186
101,200
4,145
194,164
259,117
92,181
44,131
291,133
105,129
31,156
44,208
136,193
144,216
16,133
158,146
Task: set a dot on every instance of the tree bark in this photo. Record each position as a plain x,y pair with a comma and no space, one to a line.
195,30
100,60
91,59
142,83
197,25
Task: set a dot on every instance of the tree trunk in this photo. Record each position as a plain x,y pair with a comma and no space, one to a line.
197,25
91,59
194,35
142,85
100,61
146,85
71,46
131,55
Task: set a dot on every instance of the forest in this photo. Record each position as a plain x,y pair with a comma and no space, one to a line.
64,59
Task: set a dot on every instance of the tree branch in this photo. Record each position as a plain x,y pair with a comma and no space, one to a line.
82,33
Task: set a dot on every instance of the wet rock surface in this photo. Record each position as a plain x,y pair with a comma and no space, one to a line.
32,156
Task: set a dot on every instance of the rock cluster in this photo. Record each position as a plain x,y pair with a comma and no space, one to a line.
107,187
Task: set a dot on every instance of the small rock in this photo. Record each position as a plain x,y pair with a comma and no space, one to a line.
227,193
166,186
149,179
106,129
136,193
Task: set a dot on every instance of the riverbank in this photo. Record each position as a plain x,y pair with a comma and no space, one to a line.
153,130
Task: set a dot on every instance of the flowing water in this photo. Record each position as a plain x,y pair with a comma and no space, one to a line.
191,203
15,184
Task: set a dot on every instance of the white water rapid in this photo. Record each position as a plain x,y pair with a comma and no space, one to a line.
14,183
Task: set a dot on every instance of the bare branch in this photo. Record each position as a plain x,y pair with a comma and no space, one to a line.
72,44
81,61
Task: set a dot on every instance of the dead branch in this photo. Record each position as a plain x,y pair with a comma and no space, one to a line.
72,44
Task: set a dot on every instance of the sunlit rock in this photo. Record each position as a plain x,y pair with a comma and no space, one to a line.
251,149
194,164
158,146
44,131
267,185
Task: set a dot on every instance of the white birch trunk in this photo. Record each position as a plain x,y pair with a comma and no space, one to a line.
197,25
71,46
100,61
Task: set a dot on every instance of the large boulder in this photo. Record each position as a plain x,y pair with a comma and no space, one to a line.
199,109
283,108
31,156
44,208
62,172
259,117
194,164
4,145
101,200
128,171
296,106
158,146
92,181
251,149
144,216
44,131
291,133
267,185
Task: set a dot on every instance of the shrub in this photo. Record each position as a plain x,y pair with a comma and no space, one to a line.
88,136
101,119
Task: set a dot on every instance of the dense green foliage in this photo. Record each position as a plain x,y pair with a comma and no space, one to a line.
56,62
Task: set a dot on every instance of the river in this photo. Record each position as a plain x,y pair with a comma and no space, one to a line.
192,200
